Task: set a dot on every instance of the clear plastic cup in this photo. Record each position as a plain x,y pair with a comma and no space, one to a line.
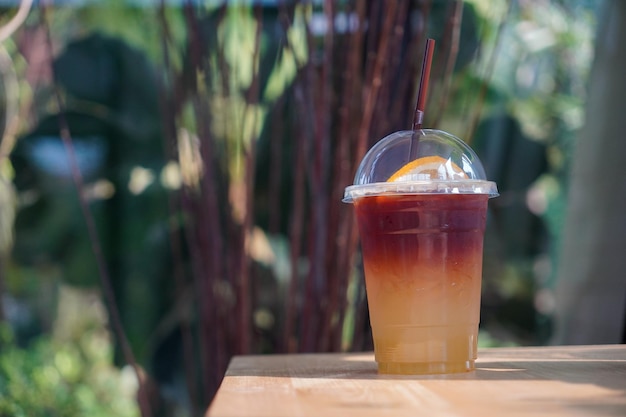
422,245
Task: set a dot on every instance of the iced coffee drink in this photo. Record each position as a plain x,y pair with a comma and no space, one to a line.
421,223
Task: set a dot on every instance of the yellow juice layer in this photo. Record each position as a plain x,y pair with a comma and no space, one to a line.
432,320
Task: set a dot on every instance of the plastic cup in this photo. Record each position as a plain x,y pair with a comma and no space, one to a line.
422,247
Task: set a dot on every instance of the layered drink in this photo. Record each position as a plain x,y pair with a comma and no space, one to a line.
421,225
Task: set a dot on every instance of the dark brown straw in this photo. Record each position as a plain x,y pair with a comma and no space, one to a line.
418,115
422,91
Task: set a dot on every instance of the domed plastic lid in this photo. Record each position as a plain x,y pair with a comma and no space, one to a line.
442,164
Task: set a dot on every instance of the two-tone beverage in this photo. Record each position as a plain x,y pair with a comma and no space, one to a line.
421,225
423,265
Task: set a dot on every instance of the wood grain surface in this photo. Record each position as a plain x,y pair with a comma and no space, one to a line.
529,381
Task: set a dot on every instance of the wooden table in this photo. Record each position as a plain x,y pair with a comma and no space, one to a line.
537,381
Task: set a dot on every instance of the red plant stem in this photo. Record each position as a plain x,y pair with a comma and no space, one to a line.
94,238
276,166
209,229
325,240
411,84
206,347
372,36
488,73
392,77
243,275
341,218
171,153
295,237
307,320
289,343
373,85
103,273
349,110
454,31
314,287
204,291
208,238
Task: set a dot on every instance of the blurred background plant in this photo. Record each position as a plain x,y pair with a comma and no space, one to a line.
209,143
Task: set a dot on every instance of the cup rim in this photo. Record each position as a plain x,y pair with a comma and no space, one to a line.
426,187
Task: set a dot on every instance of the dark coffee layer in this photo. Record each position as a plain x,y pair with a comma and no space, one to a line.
424,228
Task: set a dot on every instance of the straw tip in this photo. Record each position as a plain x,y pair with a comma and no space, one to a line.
418,119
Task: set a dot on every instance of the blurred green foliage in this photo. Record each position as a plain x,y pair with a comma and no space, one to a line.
49,378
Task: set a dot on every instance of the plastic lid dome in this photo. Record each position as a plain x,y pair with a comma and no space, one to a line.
454,167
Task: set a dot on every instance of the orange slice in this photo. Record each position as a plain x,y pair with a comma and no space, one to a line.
429,168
